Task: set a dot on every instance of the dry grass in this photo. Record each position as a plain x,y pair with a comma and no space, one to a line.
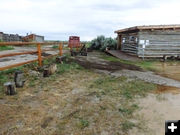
73,101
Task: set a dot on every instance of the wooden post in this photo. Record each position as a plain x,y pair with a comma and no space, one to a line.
39,54
119,44
10,88
19,79
60,49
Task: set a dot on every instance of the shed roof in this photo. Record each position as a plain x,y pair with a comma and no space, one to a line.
149,27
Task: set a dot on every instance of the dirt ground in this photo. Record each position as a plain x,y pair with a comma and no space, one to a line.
94,61
74,103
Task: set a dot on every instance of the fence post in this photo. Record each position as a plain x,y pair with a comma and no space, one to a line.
39,54
60,49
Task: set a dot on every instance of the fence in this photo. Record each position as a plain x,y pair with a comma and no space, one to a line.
39,51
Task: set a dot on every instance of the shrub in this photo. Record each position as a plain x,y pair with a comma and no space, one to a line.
100,43
110,43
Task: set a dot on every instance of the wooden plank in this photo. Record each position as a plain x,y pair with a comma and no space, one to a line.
14,54
123,56
29,43
22,53
16,65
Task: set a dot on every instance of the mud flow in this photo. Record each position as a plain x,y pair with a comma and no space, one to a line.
167,89
106,65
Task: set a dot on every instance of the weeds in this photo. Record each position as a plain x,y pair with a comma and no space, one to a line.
127,125
83,123
121,87
136,88
3,48
116,106
126,92
7,75
65,67
146,64
32,83
55,46
160,97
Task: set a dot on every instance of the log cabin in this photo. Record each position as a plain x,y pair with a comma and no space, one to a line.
150,41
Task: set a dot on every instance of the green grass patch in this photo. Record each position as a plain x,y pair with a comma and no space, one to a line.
67,67
146,64
7,75
127,110
55,46
127,125
126,91
121,87
136,87
83,123
3,48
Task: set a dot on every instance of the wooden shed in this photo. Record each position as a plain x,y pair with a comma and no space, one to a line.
33,38
150,41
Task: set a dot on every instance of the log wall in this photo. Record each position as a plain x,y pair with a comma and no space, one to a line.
159,43
129,43
151,43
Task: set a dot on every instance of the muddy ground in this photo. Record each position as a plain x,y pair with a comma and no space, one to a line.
89,101
94,61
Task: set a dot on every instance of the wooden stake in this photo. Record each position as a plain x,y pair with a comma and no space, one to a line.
19,79
39,54
10,88
60,49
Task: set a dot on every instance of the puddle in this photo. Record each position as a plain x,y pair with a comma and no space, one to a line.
156,111
170,70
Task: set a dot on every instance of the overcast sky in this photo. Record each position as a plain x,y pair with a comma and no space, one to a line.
58,19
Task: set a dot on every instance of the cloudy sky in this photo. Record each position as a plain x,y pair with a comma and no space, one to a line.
58,19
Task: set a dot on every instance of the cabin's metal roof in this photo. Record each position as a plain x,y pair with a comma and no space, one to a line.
149,27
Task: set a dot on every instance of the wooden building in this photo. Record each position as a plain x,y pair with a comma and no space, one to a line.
33,38
150,41
10,37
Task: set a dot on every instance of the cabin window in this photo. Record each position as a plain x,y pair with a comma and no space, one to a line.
123,40
147,42
141,42
144,42
133,39
136,39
